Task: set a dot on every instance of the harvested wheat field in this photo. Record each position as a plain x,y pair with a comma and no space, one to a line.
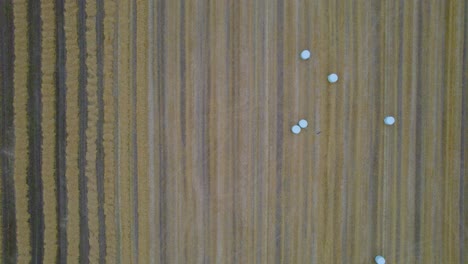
165,131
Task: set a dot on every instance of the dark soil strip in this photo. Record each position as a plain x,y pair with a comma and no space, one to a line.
7,133
83,121
34,105
161,86
61,137
135,227
100,129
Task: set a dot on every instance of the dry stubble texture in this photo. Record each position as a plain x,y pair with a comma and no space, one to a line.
21,142
91,133
49,118
72,119
141,131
